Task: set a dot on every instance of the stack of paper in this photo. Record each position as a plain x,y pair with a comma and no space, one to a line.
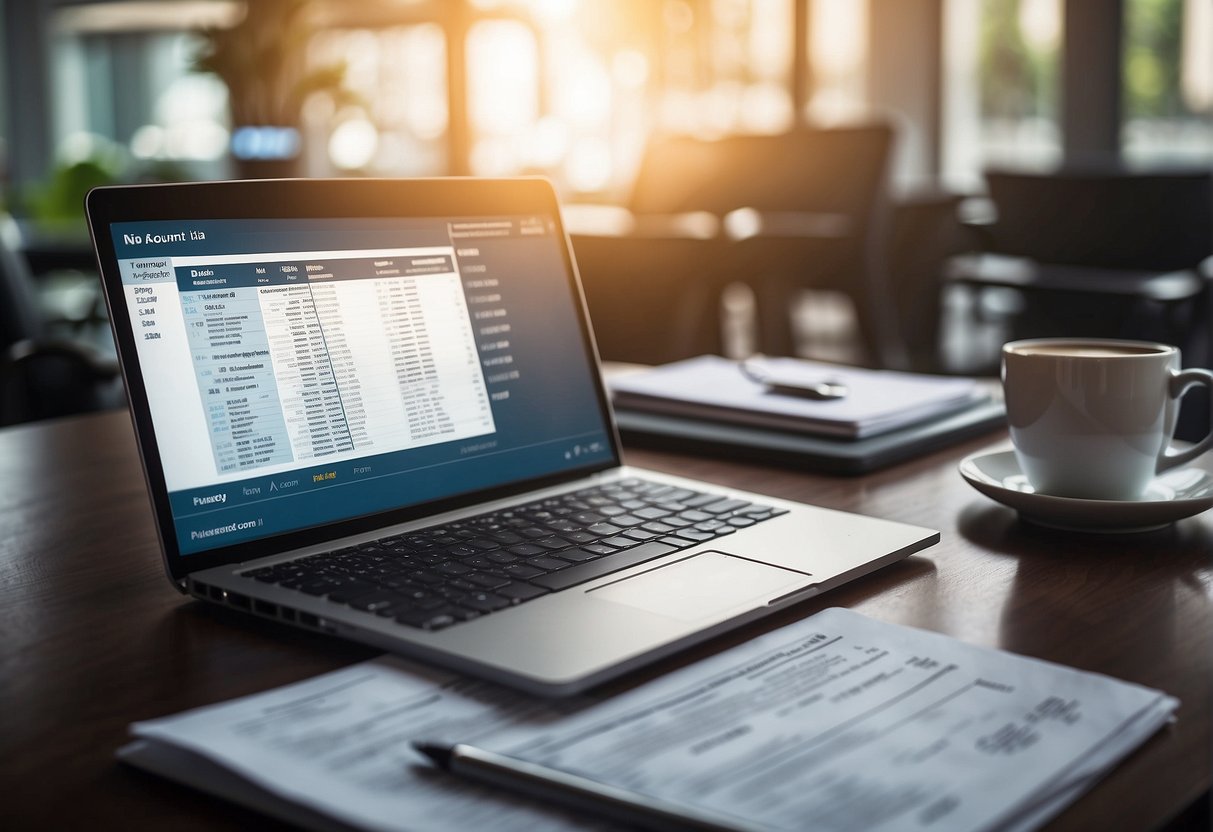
876,401
837,722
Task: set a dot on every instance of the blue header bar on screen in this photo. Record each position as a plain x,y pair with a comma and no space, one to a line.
186,238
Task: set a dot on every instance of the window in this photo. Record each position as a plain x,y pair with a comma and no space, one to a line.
124,93
838,37
1168,81
1001,79
503,95
392,118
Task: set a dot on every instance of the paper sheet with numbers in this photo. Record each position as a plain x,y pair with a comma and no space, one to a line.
837,722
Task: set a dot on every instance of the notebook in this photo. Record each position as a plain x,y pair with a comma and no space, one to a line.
373,409
868,402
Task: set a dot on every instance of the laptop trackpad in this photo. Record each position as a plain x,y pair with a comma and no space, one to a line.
702,586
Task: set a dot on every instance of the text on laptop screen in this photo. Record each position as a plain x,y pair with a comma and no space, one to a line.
302,372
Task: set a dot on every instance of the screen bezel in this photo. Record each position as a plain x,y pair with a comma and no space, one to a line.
315,199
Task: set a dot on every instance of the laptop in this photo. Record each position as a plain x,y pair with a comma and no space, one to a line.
373,409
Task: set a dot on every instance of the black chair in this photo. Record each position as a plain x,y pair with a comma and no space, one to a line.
817,219
652,297
812,201
43,377
1102,253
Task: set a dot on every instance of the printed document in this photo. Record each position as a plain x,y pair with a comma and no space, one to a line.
837,722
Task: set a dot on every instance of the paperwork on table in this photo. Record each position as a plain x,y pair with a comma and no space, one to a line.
837,722
875,402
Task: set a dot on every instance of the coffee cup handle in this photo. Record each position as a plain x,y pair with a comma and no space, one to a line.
1181,382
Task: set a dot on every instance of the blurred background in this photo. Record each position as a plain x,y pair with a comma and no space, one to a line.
861,180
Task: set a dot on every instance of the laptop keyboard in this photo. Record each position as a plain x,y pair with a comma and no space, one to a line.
437,577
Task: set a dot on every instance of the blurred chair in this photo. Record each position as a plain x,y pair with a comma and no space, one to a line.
1105,253
815,216
778,212
1100,254
42,377
654,292
652,271
925,232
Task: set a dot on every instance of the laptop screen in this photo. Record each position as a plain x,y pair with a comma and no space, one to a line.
302,372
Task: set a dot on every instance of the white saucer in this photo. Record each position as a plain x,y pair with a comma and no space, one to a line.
1180,493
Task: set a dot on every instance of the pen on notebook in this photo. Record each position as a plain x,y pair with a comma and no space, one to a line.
572,791
756,371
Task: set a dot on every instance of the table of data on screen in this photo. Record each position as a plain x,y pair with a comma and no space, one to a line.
318,356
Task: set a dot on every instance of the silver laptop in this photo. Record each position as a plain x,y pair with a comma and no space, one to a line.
373,409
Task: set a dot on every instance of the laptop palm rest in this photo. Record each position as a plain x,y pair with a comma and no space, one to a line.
706,585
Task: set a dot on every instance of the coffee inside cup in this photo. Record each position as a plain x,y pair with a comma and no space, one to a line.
1063,349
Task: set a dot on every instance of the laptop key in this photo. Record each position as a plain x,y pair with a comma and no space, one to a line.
526,550
453,568
485,580
374,601
604,529
427,578
620,542
522,570
412,593
603,566
354,590
578,555
626,520
725,506
548,564
484,602
651,513
505,537
318,586
599,548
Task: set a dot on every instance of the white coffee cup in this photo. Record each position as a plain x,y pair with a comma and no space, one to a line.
1094,418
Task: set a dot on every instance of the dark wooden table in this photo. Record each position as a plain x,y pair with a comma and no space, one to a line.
93,637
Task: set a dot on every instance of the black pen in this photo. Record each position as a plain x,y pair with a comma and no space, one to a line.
574,792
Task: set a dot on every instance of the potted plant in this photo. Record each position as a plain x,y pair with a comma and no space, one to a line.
263,62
